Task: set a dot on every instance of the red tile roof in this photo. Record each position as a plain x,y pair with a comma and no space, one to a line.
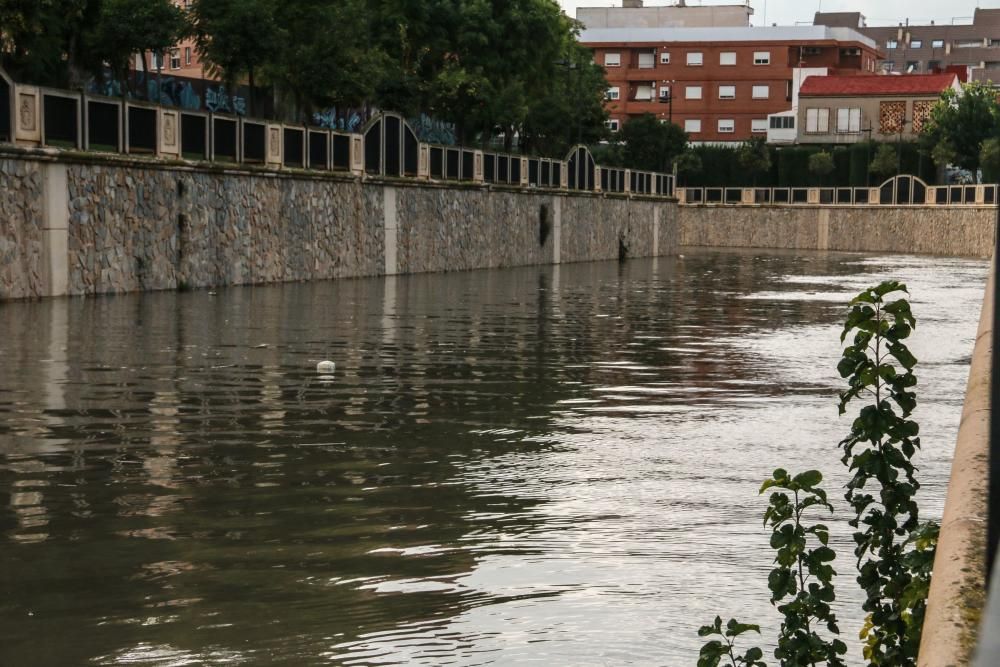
879,84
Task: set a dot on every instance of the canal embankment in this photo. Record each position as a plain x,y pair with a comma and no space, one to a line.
78,224
953,231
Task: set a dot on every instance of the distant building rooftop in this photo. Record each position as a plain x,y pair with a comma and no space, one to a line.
724,35
840,19
859,86
633,14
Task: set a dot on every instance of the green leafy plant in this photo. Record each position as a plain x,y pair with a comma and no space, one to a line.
714,651
802,580
893,559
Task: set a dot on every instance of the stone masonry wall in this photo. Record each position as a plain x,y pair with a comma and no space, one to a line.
133,225
950,231
21,213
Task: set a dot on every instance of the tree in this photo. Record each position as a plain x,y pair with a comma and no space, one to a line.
755,157
650,144
127,27
963,121
886,162
42,41
329,61
238,37
989,159
821,165
687,163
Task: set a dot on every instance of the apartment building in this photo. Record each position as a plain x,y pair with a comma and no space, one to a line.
634,14
917,49
849,109
719,83
181,60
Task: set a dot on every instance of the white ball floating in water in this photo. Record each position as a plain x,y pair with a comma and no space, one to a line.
325,367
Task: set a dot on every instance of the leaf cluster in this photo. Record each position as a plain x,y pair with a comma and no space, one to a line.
801,584
714,651
960,124
878,368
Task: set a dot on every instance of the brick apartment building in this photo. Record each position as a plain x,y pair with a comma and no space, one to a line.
918,49
182,60
719,83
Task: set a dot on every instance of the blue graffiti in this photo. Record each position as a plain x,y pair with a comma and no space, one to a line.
432,131
346,120
192,94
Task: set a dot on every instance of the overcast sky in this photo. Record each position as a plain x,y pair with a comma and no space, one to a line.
788,12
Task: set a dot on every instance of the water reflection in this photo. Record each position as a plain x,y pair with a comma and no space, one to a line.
550,463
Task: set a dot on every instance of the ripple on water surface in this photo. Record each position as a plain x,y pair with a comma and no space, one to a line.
543,464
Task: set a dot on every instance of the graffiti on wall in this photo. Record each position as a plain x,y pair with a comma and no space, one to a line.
345,120
433,131
190,94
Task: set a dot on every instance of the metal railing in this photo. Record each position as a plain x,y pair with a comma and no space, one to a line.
386,147
904,190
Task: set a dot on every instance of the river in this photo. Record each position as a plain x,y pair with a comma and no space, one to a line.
535,465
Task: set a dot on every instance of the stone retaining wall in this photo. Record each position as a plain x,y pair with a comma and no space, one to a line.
82,224
936,230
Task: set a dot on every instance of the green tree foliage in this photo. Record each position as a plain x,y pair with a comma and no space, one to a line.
715,650
327,58
886,162
989,159
803,575
43,40
650,144
821,164
964,122
239,37
754,156
892,549
127,27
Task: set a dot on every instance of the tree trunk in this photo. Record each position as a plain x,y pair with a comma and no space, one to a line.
252,111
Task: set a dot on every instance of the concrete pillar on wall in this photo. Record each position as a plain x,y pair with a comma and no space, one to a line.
747,196
170,134
477,167
55,231
524,172
656,230
357,154
812,196
424,162
391,227
274,150
27,116
557,203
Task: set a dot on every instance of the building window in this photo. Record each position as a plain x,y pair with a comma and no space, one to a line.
727,58
612,60
891,44
156,61
692,125
644,92
175,59
916,44
912,66
758,125
937,43
888,65
727,92
647,60
614,93
612,124
761,57
692,93
849,120
892,117
664,57
664,93
782,122
817,121
933,65
187,56
761,92
695,58
968,43
727,126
